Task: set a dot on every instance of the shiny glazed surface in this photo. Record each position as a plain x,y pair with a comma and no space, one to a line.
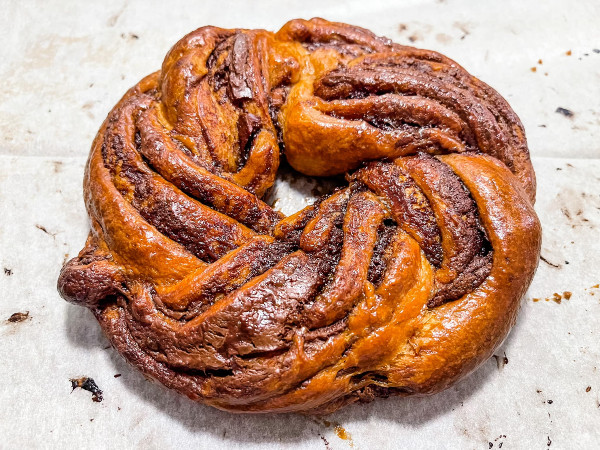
400,282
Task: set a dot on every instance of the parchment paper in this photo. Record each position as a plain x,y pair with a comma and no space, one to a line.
65,64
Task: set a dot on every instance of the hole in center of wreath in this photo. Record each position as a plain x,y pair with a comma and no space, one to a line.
293,191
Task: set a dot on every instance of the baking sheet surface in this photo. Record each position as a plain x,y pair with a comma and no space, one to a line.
64,64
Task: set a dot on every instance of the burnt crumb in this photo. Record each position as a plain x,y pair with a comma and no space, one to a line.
596,50
325,441
490,444
8,272
501,443
556,266
542,125
565,112
19,317
130,36
340,432
464,28
43,228
117,375
556,297
501,361
550,402
87,384
588,389
549,443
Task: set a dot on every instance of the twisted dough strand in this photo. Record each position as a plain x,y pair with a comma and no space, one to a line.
401,282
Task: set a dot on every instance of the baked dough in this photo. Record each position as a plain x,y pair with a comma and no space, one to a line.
400,282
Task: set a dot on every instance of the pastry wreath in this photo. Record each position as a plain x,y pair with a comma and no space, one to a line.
399,283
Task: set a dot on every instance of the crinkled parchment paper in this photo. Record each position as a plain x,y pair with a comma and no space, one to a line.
64,65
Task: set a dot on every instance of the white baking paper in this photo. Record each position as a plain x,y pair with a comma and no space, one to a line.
65,64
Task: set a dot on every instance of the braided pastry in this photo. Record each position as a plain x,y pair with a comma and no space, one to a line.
401,282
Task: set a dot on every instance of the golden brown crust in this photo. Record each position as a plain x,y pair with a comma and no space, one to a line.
400,283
